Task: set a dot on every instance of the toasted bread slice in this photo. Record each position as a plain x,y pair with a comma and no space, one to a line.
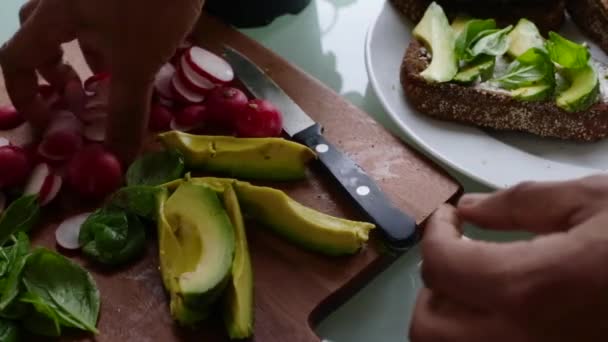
547,14
592,17
496,109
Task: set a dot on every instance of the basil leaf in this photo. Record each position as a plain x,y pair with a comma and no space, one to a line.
112,237
566,53
470,34
42,319
9,331
61,290
20,216
531,68
493,43
10,288
156,168
138,200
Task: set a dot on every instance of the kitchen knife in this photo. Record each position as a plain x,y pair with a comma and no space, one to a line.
398,228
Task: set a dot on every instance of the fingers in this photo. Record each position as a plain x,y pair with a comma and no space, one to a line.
93,56
490,275
535,207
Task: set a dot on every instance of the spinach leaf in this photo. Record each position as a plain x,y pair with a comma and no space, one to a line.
20,216
156,168
19,254
139,200
112,237
42,319
9,332
470,34
566,53
67,294
493,43
532,68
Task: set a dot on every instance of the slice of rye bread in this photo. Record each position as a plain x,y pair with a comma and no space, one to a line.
546,14
592,17
493,109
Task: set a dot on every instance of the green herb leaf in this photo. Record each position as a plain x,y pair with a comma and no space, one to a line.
139,200
156,168
532,68
20,216
470,34
67,294
19,254
9,331
566,53
42,318
493,43
113,237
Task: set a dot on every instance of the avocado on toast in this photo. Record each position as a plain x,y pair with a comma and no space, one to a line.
508,78
547,14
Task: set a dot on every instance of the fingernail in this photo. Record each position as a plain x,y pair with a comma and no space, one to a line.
471,200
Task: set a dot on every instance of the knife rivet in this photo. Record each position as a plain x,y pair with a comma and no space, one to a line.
322,148
363,190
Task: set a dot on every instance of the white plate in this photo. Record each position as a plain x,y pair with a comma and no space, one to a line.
495,159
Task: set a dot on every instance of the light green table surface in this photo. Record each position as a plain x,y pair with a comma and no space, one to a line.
327,41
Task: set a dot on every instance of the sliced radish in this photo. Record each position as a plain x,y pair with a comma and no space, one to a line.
15,166
93,114
209,65
179,52
44,184
183,94
4,142
68,231
91,85
9,118
2,202
96,131
162,82
192,79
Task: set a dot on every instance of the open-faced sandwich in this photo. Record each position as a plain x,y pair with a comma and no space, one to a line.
505,78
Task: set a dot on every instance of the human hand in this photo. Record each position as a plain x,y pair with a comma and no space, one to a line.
551,288
131,39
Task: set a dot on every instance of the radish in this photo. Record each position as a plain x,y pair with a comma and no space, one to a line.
63,137
91,85
2,203
9,118
94,172
50,95
224,104
68,231
183,94
177,127
165,102
192,79
209,65
93,114
14,166
179,52
4,142
96,131
259,119
162,82
160,118
98,100
43,183
191,116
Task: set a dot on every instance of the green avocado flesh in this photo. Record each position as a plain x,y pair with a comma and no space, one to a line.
249,158
435,32
524,36
583,92
532,93
196,242
482,69
238,299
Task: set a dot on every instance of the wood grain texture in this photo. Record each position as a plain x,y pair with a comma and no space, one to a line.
294,289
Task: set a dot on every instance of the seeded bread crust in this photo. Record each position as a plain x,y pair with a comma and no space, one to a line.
546,14
592,17
488,109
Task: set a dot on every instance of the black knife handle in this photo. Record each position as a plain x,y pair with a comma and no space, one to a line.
398,228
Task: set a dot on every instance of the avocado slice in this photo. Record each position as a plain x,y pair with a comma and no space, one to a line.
482,67
238,299
196,246
458,24
524,36
533,93
250,158
583,92
435,32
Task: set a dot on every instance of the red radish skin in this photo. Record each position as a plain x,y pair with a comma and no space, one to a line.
4,142
224,104
209,65
191,116
162,81
183,94
9,118
43,183
191,79
94,173
260,119
179,52
160,118
63,138
96,131
91,85
14,166
68,231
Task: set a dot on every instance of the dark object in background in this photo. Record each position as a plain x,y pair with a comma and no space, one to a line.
252,13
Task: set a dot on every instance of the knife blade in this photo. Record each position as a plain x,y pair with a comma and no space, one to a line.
397,227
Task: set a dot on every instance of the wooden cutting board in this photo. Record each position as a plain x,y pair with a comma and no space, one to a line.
294,289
